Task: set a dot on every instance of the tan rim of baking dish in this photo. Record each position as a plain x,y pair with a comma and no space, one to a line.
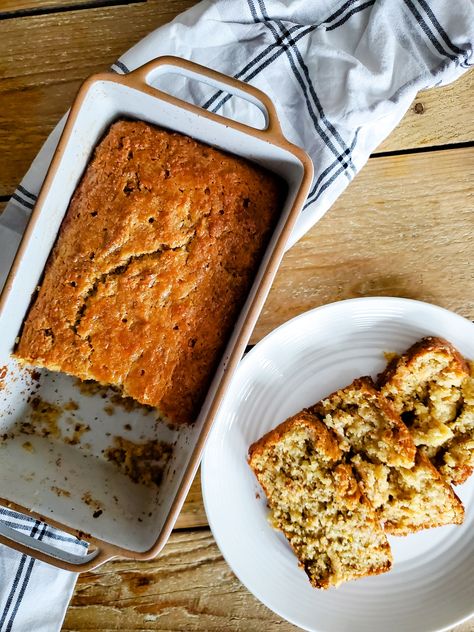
102,551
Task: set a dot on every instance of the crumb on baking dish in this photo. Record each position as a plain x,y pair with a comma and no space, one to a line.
59,491
127,403
91,502
71,405
3,375
43,419
28,446
143,463
78,430
89,387
34,374
114,395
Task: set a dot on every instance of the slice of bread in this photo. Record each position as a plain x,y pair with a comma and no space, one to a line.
315,500
409,499
366,423
405,489
430,386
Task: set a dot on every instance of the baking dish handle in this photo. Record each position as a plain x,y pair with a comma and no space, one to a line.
147,73
52,555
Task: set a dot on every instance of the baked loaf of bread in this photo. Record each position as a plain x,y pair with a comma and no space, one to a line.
430,386
316,502
154,259
404,488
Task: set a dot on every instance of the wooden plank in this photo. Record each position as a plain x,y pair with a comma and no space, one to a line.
189,588
193,514
13,6
45,58
404,227
436,117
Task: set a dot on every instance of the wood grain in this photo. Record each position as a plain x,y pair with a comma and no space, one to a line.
14,6
188,588
193,514
44,59
436,117
404,227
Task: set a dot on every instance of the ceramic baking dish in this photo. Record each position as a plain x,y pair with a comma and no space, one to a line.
59,473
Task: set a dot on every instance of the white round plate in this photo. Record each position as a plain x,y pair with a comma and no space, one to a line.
431,584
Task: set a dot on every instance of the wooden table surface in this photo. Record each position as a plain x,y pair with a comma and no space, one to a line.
404,228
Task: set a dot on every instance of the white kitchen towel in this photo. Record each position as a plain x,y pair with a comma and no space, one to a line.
34,595
341,74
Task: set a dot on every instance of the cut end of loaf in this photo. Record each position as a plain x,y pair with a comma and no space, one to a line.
430,386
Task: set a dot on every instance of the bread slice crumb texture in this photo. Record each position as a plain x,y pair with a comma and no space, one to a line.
404,488
409,499
432,387
316,501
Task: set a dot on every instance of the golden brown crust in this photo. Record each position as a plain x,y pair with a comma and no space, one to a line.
382,568
458,475
153,261
428,344
319,433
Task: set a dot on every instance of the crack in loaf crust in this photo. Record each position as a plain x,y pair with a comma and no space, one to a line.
154,259
316,502
405,489
430,386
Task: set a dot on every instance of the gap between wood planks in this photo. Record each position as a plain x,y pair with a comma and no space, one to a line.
45,9
420,150
383,154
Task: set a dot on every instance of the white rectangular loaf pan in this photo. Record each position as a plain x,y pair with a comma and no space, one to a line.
58,472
